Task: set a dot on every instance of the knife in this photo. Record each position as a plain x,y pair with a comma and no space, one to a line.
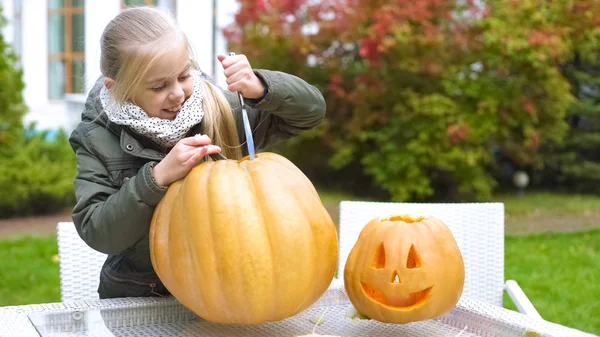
247,129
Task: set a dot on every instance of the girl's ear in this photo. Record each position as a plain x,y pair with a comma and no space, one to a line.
109,83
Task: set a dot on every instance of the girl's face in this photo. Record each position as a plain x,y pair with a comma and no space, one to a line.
166,86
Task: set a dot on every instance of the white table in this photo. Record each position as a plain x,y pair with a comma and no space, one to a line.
128,317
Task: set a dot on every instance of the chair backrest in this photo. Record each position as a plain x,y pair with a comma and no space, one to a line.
80,265
477,227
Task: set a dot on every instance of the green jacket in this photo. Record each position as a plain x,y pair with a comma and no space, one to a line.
116,193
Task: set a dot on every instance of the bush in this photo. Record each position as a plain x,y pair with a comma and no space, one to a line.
419,92
575,164
38,178
12,108
36,172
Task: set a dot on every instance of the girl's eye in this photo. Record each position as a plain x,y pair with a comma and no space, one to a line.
157,89
184,77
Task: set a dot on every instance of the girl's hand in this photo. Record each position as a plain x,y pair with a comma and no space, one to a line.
182,158
240,77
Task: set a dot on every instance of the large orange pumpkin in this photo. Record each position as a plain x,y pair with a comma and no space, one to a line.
244,242
404,269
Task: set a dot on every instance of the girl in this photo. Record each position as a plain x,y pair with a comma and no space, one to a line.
149,119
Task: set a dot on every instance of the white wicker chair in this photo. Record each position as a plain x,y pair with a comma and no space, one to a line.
79,265
478,229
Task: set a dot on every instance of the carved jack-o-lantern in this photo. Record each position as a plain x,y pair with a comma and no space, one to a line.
404,269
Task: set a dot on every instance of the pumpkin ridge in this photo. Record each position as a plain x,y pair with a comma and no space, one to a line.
168,232
260,212
253,265
219,269
185,264
213,272
370,233
173,262
302,200
263,211
297,209
160,231
152,235
313,258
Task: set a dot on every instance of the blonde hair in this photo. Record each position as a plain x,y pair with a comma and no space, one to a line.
134,41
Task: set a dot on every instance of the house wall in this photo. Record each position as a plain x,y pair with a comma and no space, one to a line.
7,8
34,59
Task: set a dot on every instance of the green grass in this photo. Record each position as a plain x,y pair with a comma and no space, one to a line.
560,274
333,197
528,204
29,271
548,204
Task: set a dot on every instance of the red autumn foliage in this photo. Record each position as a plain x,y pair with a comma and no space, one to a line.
415,87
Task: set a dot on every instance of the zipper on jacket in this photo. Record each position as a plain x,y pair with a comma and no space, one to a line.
152,285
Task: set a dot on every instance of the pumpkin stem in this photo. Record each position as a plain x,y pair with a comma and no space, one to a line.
247,158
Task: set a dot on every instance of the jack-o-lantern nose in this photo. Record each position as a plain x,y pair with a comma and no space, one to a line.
395,278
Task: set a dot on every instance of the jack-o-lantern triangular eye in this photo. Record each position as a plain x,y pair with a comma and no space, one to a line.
413,260
379,259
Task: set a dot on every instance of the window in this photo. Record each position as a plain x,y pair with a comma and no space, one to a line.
66,37
18,28
128,3
169,4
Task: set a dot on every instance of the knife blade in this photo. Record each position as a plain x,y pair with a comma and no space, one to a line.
247,129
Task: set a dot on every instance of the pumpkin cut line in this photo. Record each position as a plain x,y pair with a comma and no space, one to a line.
412,301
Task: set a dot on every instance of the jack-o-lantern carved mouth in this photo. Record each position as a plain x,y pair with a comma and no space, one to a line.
396,302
